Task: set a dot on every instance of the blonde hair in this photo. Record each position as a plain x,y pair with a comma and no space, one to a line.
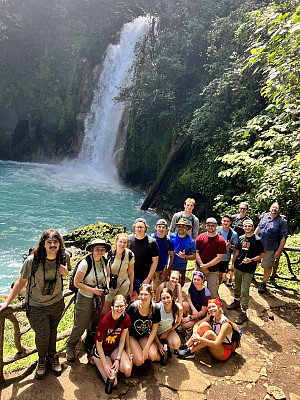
189,200
119,235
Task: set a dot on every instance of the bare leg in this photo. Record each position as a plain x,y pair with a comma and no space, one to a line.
173,340
137,351
100,367
153,354
125,364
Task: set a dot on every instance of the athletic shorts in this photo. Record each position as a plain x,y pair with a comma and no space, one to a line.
96,355
227,352
223,266
268,261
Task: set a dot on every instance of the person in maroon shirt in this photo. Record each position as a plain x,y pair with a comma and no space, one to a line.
210,248
108,352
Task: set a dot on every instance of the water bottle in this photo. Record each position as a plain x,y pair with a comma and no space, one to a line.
164,357
110,382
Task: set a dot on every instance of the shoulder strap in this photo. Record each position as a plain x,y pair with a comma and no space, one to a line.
219,230
120,320
89,265
229,234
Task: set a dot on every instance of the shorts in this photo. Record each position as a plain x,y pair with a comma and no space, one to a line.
96,355
227,352
223,266
158,279
268,261
119,290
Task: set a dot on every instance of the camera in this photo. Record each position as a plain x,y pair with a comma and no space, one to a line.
48,288
104,287
113,279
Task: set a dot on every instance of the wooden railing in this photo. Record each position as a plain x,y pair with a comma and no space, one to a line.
9,313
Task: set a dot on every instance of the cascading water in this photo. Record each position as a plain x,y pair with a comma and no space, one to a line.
102,122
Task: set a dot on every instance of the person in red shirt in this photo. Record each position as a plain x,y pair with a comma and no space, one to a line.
108,352
210,248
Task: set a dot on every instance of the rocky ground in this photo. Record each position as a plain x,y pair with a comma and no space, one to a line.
266,366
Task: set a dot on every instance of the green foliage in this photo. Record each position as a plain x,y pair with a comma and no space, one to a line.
83,236
265,153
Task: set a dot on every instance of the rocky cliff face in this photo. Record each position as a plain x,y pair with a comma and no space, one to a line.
50,59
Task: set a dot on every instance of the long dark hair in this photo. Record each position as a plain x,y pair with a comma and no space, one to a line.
174,305
39,252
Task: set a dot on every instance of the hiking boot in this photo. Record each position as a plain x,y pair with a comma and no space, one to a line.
235,304
70,355
262,288
229,283
182,347
242,318
185,354
55,366
41,368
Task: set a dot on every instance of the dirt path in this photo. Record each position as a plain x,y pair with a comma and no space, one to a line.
266,366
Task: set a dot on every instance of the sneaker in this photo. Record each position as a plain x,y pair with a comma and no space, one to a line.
41,368
242,318
235,304
70,355
186,354
229,283
182,347
262,288
55,366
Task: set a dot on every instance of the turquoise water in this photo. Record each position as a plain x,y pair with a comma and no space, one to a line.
35,197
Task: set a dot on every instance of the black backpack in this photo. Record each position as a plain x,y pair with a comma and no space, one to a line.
88,259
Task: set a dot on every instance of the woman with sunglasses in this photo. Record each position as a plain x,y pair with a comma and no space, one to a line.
145,317
172,284
196,306
109,353
214,332
171,315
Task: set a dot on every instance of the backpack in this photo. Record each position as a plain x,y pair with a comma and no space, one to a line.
182,216
229,233
72,287
167,240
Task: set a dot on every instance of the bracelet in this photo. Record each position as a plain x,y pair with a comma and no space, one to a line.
118,358
191,317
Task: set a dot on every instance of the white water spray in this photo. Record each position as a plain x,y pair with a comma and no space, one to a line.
102,122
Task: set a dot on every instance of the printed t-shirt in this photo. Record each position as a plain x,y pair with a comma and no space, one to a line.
248,247
90,279
37,282
209,247
199,298
139,323
163,251
181,244
143,249
106,325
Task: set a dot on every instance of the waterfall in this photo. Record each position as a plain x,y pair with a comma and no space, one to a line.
102,122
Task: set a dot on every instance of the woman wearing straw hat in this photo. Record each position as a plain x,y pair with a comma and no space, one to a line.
90,296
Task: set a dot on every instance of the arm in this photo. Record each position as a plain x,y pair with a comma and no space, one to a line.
63,270
195,229
256,230
158,292
131,278
213,262
15,291
170,262
278,252
191,305
172,225
149,341
177,322
79,277
233,260
179,293
116,364
152,269
201,313
100,351
257,258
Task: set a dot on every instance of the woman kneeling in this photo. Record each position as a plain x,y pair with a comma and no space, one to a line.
214,332
108,353
171,315
145,317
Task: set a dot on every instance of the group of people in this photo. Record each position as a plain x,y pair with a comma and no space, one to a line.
148,272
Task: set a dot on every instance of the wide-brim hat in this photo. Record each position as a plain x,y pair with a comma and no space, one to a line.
185,222
98,242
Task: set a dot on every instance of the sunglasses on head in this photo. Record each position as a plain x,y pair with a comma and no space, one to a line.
199,273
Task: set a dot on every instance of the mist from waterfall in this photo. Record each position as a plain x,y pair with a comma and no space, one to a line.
102,122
